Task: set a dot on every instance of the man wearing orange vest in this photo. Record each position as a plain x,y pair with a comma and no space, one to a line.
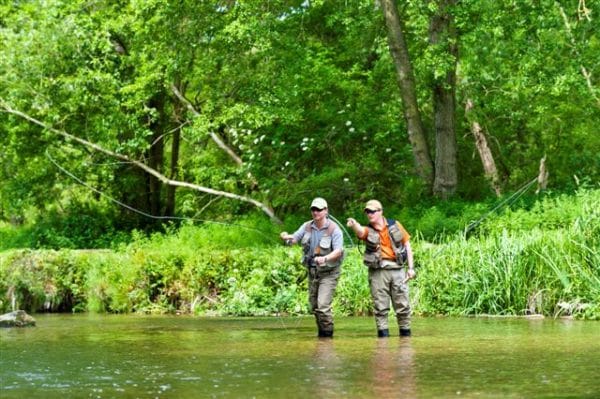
322,245
389,257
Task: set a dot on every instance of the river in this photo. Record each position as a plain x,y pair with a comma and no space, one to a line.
129,356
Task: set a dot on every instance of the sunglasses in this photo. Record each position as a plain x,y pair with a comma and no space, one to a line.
313,209
370,211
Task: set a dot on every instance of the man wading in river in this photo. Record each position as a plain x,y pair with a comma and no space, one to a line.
323,251
386,255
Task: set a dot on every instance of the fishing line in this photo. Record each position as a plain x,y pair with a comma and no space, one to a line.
345,231
295,324
148,215
509,200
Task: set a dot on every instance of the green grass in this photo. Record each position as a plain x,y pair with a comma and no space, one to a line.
520,264
543,261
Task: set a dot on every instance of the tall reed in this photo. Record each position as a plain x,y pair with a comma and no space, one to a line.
540,265
552,267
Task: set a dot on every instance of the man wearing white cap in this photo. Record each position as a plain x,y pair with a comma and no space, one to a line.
322,246
389,257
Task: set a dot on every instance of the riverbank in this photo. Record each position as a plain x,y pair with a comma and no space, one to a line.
543,261
531,273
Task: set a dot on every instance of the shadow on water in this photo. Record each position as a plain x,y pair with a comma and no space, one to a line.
105,356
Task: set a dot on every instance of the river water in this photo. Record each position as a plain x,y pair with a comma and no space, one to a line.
128,356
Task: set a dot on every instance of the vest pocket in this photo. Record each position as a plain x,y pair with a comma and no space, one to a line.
372,241
401,255
395,234
372,259
325,244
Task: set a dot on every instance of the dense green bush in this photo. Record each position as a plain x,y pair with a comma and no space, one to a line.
42,280
76,225
15,237
543,261
517,264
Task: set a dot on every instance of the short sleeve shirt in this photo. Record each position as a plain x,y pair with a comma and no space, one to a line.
337,240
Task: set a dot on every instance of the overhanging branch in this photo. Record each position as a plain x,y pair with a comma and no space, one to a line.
266,209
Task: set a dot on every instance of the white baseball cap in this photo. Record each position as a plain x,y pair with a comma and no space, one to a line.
319,203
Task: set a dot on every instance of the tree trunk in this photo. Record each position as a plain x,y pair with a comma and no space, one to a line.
542,176
174,170
408,93
443,36
487,159
174,164
155,155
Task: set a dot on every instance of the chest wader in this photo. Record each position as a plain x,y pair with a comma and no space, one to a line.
322,280
386,279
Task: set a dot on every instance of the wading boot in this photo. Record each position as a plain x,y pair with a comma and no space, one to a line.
383,333
405,332
325,334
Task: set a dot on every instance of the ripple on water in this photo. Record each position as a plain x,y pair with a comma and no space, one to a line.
200,359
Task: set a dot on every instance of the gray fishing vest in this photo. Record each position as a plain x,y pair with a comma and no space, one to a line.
372,255
323,248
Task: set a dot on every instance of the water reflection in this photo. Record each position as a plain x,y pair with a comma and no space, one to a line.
392,369
327,368
125,356
365,367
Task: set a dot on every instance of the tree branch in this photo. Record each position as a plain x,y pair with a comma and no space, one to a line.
266,209
216,138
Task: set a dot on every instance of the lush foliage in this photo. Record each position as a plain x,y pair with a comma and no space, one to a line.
515,264
302,91
303,95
